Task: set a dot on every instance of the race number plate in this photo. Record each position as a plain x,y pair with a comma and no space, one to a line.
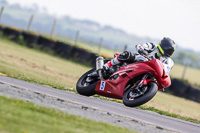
102,86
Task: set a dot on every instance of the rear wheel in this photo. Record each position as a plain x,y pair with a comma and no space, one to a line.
136,97
86,84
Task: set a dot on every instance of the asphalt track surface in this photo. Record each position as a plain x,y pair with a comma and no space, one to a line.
144,116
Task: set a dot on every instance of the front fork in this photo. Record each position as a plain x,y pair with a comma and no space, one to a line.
135,90
140,84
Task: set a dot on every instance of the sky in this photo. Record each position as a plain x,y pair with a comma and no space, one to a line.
177,19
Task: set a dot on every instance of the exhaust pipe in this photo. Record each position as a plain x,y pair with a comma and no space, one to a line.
99,66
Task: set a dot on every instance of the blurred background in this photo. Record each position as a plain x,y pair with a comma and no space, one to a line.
115,25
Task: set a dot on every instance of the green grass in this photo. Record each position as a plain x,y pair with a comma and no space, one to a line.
23,117
144,107
32,65
35,66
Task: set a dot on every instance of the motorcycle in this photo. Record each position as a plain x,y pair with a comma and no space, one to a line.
134,83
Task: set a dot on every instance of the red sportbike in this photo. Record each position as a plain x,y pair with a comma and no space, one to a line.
135,83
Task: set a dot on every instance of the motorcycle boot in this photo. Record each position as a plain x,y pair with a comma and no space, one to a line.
106,72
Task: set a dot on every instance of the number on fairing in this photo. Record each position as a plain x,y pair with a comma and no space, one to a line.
102,86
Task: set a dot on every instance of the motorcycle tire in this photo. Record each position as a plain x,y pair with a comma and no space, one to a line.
88,90
152,90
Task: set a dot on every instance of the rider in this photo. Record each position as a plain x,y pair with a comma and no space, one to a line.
161,51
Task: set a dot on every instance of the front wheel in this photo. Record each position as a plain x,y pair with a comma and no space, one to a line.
86,85
133,98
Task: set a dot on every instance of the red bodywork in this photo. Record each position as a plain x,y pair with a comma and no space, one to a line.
114,88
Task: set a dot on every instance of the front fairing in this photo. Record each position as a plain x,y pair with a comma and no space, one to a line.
161,73
154,66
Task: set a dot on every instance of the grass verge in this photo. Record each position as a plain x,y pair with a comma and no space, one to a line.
25,117
144,107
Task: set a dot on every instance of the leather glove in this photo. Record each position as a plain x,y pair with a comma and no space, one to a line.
142,52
